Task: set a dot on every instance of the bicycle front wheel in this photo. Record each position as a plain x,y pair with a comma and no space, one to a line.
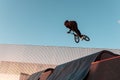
76,38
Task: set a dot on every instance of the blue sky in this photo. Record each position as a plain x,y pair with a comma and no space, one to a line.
41,22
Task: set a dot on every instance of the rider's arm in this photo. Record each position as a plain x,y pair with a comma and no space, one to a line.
69,31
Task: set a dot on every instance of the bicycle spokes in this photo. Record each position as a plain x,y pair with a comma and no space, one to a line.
76,38
86,38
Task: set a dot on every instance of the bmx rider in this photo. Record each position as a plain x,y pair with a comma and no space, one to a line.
72,25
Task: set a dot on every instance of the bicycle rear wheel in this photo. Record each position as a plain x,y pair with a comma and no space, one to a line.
86,38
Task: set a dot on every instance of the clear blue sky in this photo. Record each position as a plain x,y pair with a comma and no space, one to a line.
41,22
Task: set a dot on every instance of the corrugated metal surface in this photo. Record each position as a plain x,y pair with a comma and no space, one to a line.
19,70
16,59
45,54
18,67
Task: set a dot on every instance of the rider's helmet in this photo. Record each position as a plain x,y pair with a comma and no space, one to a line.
66,23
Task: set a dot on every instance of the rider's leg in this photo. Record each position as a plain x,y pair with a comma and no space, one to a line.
79,33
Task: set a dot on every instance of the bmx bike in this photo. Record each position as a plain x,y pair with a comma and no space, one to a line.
77,38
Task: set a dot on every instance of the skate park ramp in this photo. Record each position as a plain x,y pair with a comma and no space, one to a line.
103,65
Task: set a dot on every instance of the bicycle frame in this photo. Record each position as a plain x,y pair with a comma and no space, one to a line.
77,38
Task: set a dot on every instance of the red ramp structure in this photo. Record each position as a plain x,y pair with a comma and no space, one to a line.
107,69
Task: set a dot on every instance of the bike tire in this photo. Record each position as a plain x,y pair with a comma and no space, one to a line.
86,38
76,38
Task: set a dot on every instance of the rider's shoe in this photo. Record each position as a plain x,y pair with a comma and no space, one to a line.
82,37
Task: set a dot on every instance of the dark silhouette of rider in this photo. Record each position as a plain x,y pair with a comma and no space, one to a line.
72,25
